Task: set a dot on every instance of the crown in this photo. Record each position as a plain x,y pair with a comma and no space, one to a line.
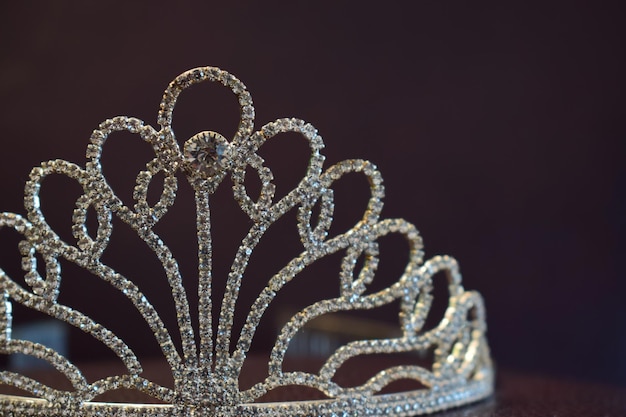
206,368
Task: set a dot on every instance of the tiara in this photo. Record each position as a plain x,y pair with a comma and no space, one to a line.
205,368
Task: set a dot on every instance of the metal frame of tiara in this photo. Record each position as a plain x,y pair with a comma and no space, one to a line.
206,372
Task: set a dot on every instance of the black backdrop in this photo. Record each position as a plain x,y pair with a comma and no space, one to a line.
497,126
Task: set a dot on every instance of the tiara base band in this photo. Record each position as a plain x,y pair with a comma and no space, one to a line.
409,403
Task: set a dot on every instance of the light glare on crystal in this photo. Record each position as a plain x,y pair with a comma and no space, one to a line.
206,154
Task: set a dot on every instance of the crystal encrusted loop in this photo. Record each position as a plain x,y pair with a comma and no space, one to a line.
206,368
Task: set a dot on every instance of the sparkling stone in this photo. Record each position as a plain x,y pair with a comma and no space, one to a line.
206,154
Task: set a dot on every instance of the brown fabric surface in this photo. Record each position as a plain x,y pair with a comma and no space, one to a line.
519,395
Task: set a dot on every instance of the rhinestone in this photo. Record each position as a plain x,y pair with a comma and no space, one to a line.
206,154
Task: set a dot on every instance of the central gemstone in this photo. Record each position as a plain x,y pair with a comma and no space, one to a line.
206,154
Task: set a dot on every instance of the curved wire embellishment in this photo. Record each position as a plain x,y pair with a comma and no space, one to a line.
206,376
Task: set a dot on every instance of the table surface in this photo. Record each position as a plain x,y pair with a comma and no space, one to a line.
521,395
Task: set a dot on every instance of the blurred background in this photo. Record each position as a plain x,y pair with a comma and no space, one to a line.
498,128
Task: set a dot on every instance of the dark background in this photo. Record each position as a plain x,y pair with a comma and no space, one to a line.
498,128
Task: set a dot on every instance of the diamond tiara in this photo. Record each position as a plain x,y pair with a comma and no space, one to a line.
205,369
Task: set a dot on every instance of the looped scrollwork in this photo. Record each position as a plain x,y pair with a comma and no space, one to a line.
205,370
